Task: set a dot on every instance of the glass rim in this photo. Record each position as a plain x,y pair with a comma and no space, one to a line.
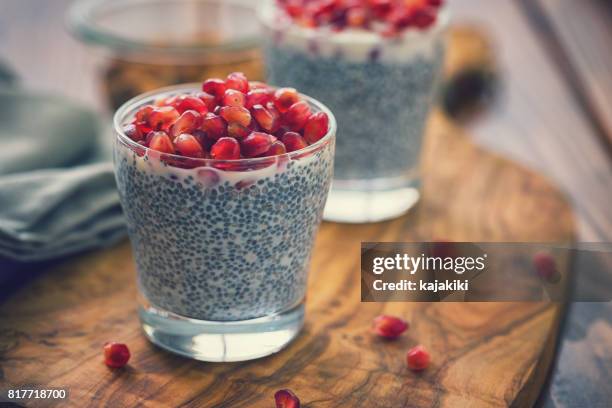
130,106
80,21
444,17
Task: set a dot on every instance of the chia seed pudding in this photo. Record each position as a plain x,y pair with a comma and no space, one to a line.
380,89
222,240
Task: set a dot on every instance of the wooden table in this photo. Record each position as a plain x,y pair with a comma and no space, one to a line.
553,116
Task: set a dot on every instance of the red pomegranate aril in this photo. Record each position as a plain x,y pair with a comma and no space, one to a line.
215,87
214,126
276,149
256,144
546,267
143,127
235,114
267,119
188,122
293,141
418,358
237,81
144,113
316,127
209,100
258,97
238,131
133,132
188,146
116,355
284,98
160,141
234,98
226,148
286,399
162,118
297,116
389,327
424,19
357,17
192,103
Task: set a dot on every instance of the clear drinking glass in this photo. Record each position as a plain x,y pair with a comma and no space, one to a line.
380,90
222,247
148,44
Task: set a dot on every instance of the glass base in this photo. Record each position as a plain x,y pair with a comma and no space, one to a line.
363,202
222,341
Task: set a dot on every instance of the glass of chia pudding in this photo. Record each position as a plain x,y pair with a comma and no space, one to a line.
223,186
375,63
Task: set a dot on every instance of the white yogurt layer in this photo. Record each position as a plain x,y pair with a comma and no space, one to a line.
351,44
210,176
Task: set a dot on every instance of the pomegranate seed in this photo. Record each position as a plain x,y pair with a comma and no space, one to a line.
143,127
276,149
284,98
258,97
286,399
161,142
116,355
144,113
234,98
226,148
215,87
188,122
237,81
436,3
162,118
417,358
316,127
236,114
297,116
192,103
546,267
256,144
208,177
356,17
214,126
294,141
267,119
209,100
389,327
238,131
133,132
187,145
425,20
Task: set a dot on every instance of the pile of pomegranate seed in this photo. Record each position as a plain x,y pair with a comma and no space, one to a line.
230,119
389,17
116,355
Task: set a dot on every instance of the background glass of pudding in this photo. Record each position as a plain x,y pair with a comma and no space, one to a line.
381,91
222,247
150,44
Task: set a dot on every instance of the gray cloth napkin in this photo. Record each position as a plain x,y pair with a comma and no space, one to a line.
56,197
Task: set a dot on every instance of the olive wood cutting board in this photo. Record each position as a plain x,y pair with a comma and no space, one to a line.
483,354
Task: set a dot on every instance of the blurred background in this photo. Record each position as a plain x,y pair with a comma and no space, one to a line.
548,106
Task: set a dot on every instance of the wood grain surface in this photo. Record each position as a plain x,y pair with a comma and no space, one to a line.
484,355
